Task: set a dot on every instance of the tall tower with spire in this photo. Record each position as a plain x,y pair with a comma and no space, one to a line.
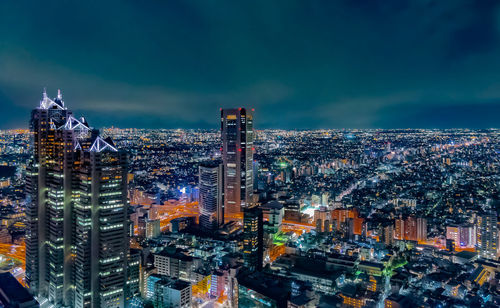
76,238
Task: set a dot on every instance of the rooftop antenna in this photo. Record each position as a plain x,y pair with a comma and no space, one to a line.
44,92
59,95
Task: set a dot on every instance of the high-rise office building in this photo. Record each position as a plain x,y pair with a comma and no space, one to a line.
44,170
237,155
253,238
101,225
76,239
487,235
211,186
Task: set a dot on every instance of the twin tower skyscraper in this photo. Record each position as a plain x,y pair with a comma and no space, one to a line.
77,223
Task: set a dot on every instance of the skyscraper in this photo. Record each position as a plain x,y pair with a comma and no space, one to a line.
49,192
237,155
488,235
100,211
253,238
76,239
210,183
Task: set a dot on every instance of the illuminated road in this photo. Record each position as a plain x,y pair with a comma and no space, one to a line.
178,209
172,210
18,254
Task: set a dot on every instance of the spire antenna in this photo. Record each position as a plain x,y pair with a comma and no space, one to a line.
59,95
44,92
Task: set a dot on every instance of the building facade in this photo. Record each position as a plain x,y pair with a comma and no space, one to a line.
253,238
210,202
76,238
487,235
237,155
171,293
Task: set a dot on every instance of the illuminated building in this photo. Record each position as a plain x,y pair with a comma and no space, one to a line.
47,254
76,239
374,284
463,236
253,238
274,212
4,183
467,236
371,268
133,275
352,297
217,284
340,216
201,284
322,219
152,228
388,235
237,155
257,289
141,226
5,236
397,301
480,275
100,211
145,285
171,262
181,223
410,229
452,234
399,229
316,274
210,203
488,235
421,229
168,292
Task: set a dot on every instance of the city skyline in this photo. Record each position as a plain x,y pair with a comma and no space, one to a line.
134,217
341,64
278,154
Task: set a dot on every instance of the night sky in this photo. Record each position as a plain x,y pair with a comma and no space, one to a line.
300,64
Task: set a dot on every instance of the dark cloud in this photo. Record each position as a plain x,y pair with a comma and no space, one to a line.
301,64
465,114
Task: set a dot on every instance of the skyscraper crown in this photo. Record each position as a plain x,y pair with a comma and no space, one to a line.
47,103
